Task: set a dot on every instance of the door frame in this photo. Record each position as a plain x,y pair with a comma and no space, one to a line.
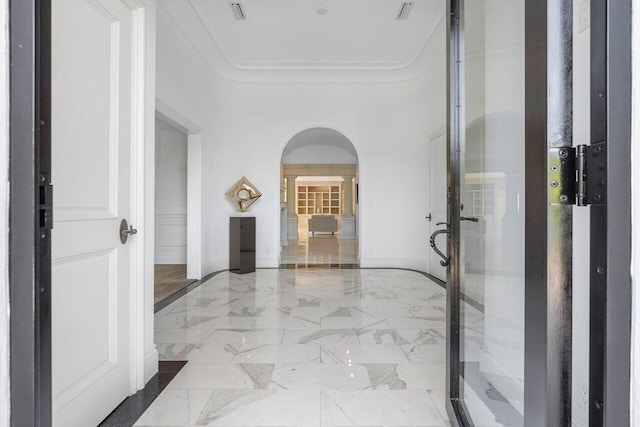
29,243
194,184
611,288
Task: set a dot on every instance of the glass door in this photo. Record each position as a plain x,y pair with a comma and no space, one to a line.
509,316
491,179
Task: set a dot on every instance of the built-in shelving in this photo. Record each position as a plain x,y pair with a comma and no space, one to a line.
318,199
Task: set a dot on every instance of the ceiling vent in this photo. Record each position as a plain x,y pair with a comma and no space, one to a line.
238,12
404,11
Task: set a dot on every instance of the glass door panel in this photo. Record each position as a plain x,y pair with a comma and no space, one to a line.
492,244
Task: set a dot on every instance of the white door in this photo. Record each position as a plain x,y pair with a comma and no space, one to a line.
438,200
91,151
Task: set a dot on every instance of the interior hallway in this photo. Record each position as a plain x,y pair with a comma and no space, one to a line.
320,249
319,347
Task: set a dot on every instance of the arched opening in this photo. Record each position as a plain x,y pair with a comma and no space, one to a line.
319,199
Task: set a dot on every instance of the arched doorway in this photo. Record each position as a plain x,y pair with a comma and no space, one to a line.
319,199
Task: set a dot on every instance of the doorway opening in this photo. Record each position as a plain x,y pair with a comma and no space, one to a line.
319,199
177,224
170,254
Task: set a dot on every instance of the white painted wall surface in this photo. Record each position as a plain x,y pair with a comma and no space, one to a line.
171,195
4,219
581,220
319,154
635,241
245,127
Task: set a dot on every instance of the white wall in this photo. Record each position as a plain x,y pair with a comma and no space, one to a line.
581,220
171,195
319,154
4,220
245,128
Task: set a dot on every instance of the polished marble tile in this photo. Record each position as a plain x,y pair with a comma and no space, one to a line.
191,336
407,376
297,336
353,323
247,408
379,408
220,375
211,353
288,322
277,353
320,377
319,249
400,336
304,347
362,353
175,407
246,336
425,353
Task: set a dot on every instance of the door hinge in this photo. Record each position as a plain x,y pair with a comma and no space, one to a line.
578,175
45,203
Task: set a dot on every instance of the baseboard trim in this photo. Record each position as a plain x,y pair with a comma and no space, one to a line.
170,259
150,364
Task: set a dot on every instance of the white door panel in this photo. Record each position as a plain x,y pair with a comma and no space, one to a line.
438,200
91,150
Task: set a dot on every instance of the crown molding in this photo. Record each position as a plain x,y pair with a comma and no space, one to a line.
224,74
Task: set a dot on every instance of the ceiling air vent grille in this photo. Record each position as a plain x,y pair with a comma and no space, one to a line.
238,12
404,11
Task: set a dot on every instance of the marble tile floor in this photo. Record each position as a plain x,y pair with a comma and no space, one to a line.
305,347
321,249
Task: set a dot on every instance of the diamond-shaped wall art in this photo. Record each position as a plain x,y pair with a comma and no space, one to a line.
244,193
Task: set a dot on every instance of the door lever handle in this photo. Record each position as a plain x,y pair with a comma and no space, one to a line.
467,218
432,242
126,231
129,232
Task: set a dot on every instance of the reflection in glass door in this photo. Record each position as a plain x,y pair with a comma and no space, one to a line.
492,214
509,275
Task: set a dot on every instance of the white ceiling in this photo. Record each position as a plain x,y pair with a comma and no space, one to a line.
288,36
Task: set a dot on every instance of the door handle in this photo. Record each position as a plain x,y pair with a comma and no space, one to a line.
467,218
428,217
126,231
432,242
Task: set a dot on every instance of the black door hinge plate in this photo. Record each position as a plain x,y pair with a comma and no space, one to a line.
578,175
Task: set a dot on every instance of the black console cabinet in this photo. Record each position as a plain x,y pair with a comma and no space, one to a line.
242,244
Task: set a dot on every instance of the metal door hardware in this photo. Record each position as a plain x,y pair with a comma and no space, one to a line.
432,242
467,218
428,217
126,231
45,202
578,175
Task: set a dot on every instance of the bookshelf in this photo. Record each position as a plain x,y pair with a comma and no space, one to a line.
318,199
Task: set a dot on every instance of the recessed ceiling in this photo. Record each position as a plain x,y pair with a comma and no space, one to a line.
303,35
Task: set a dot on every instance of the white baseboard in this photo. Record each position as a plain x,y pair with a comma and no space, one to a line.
215,265
411,264
267,262
150,364
170,259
